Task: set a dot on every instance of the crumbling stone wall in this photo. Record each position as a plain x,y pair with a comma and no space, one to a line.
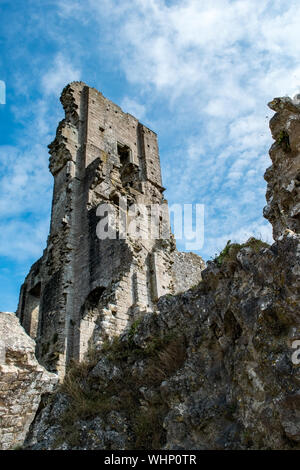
217,367
85,289
22,381
186,270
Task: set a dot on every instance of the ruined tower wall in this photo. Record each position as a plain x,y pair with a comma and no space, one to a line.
186,270
87,288
114,272
91,288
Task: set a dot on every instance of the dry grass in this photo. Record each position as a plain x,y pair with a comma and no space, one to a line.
90,398
148,427
167,361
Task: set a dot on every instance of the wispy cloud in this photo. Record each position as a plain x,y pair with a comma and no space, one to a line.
61,73
22,240
26,183
133,107
25,180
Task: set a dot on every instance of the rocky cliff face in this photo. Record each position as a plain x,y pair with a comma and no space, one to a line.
214,367
22,382
212,370
283,177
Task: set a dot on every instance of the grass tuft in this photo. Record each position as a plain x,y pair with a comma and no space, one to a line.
228,254
91,398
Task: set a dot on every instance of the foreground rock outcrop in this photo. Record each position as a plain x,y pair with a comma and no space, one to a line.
22,382
283,177
212,368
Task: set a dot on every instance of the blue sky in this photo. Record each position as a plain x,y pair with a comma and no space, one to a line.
199,73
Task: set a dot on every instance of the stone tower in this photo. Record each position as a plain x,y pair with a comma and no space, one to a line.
85,289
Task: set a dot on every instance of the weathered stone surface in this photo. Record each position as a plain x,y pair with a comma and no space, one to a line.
22,381
186,270
236,387
85,289
210,368
283,177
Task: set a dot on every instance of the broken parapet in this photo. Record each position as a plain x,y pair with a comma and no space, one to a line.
283,176
22,382
186,270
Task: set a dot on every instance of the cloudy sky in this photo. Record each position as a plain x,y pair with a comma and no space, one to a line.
199,73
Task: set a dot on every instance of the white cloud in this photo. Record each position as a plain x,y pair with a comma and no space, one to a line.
21,240
133,107
25,180
59,75
26,183
262,232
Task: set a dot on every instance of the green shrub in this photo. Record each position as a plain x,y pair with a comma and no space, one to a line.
231,249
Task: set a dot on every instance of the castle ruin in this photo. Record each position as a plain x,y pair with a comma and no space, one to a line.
85,289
